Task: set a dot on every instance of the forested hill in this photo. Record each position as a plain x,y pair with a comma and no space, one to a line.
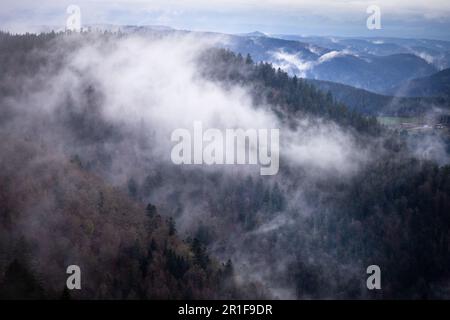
79,186
343,104
289,96
54,213
369,103
435,85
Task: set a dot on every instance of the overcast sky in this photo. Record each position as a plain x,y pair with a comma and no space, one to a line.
399,18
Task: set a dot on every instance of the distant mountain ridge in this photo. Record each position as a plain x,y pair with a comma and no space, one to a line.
374,73
253,34
436,52
381,65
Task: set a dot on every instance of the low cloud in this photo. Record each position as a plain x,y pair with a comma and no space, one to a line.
293,63
129,94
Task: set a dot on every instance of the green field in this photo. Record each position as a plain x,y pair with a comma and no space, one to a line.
395,121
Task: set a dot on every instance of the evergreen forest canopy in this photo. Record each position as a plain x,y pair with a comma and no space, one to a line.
84,182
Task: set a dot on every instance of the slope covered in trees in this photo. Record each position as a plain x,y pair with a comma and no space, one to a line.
435,85
80,188
369,103
55,214
292,97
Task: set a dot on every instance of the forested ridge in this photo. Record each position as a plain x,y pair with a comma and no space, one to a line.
290,95
366,102
305,232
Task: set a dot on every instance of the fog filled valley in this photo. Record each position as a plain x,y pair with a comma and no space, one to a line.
86,177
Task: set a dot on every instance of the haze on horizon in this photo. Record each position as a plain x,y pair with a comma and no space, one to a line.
400,18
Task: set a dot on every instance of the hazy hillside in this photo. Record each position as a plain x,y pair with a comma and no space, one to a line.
54,213
377,65
377,74
86,123
435,85
370,103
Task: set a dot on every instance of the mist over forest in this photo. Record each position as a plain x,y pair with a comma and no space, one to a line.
86,178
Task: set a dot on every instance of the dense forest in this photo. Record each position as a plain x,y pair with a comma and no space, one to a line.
131,251
289,96
79,186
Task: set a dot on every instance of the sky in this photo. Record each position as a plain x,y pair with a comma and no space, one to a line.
399,18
